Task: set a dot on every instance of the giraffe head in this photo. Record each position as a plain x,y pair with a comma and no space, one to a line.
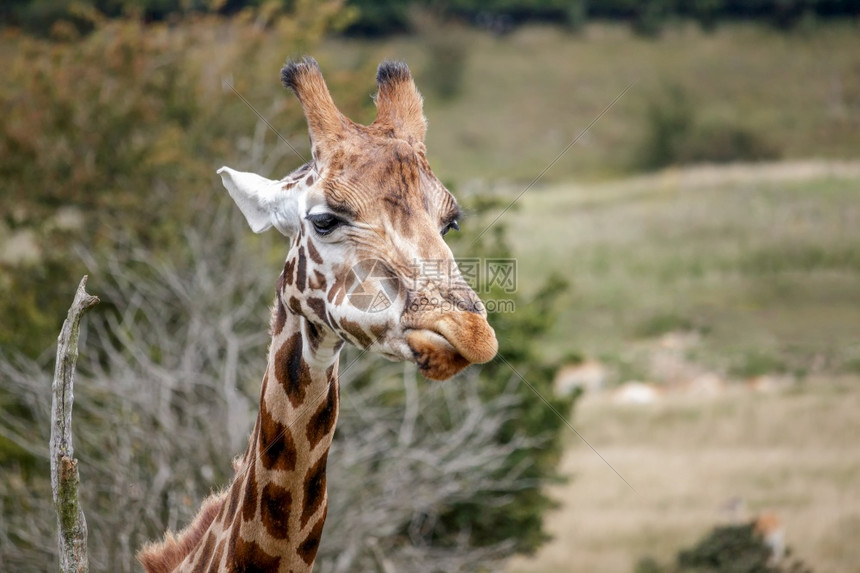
368,263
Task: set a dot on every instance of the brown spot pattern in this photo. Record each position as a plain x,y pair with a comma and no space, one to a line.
280,317
378,330
338,287
356,331
216,558
313,253
291,371
314,489
205,554
322,422
295,305
318,306
275,507
234,500
317,281
307,549
249,504
249,557
302,271
262,393
289,270
231,544
314,334
278,451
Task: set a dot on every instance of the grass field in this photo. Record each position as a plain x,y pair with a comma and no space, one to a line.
794,453
764,263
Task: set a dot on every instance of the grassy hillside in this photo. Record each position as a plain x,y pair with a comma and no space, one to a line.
763,261
524,96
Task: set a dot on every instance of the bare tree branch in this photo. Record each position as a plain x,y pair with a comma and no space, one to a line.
71,524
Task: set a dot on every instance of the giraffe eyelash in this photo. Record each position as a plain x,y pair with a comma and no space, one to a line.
325,223
454,224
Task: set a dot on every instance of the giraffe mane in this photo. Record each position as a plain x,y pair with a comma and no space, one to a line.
166,555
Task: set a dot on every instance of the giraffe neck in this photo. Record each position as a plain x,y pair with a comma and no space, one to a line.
272,517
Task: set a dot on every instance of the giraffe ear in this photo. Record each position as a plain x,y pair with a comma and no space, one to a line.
399,106
265,203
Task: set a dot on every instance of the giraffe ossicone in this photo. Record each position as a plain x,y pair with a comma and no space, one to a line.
362,215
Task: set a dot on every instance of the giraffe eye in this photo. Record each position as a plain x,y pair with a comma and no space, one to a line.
452,225
324,223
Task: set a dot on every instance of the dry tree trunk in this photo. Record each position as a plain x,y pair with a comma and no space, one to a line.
72,526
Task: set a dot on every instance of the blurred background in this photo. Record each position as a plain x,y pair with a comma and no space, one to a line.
677,180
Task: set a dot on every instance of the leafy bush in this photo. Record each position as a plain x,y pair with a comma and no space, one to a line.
756,363
650,16
675,135
380,17
447,56
719,142
727,549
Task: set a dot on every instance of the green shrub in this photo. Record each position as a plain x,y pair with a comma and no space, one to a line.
668,122
727,549
661,323
447,57
733,548
721,142
756,363
675,134
650,17
386,17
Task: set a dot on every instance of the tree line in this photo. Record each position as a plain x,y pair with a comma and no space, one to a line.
385,17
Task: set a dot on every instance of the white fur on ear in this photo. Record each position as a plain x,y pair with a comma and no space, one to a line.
264,202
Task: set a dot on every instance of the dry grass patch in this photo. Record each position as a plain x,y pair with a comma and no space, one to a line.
795,453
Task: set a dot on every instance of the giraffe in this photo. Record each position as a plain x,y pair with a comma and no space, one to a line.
361,215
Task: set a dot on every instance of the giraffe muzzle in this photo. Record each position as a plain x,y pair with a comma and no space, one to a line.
452,343
470,334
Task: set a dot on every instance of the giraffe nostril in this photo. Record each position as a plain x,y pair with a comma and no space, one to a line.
474,305
466,302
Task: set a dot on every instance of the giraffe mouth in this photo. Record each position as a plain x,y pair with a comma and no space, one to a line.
436,357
